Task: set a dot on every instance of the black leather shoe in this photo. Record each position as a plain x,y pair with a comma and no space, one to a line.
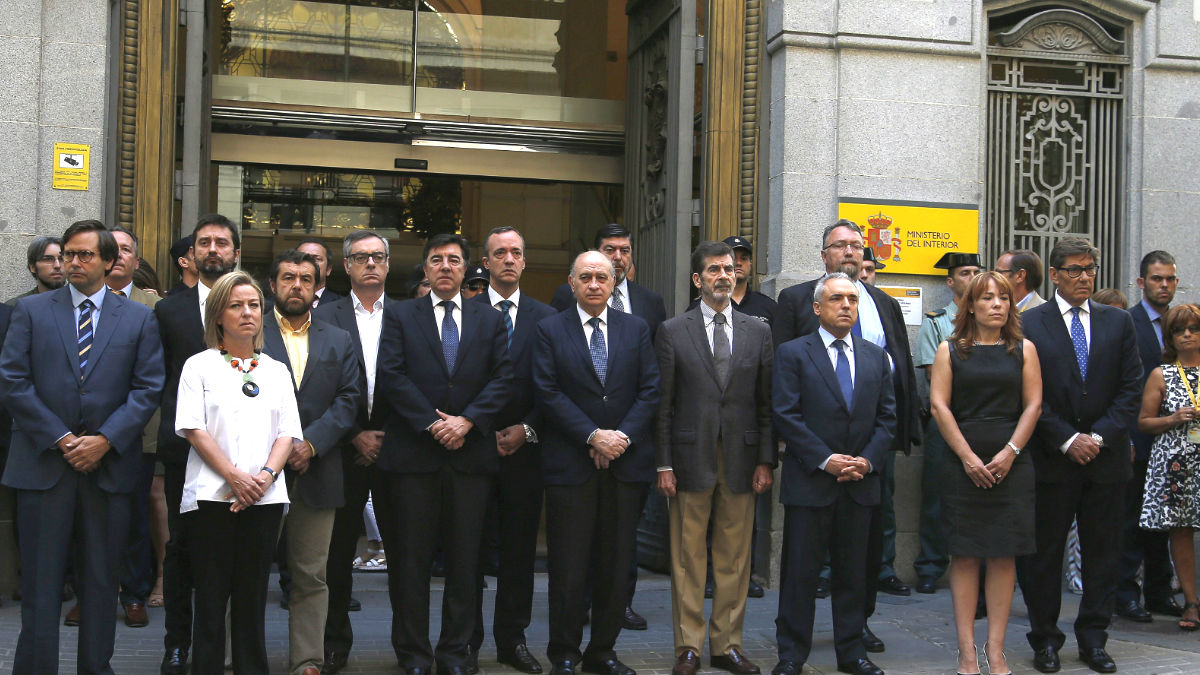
1098,660
334,661
1167,606
893,585
754,590
786,667
1134,612
174,662
822,587
609,666
472,664
927,585
860,667
564,667
354,605
519,657
1046,660
632,621
870,642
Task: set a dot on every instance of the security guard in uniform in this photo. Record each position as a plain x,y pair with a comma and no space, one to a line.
869,267
931,561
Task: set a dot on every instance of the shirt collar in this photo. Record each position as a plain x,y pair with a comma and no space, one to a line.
624,288
358,303
203,291
495,297
284,325
1025,300
585,317
709,313
457,300
828,339
1064,306
128,290
97,298
1154,314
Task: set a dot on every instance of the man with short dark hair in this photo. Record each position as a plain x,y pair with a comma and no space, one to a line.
181,255
45,263
475,282
321,253
81,372
1024,271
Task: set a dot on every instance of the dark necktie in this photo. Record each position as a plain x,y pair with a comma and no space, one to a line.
598,349
843,373
720,348
449,335
505,306
1079,339
617,304
85,335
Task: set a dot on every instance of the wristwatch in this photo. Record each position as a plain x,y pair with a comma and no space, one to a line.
1098,438
530,436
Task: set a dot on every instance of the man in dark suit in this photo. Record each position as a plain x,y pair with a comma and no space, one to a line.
324,367
715,452
320,252
1145,549
835,410
1091,394
881,323
445,373
518,502
215,250
81,372
597,386
360,314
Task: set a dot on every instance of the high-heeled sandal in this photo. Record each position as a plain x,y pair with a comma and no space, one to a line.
958,655
987,664
1186,623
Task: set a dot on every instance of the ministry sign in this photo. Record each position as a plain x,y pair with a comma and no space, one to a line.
909,237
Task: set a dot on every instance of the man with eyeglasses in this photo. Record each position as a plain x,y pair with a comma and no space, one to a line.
880,322
44,257
1024,271
1091,394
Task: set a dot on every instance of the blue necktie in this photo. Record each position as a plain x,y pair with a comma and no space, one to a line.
617,303
449,335
843,373
598,349
505,306
85,335
1080,341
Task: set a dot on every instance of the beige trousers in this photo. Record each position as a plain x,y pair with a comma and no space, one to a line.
308,532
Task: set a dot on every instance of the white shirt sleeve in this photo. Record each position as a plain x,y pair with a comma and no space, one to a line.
189,405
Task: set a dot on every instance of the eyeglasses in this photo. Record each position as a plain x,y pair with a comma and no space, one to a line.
843,245
1193,328
361,258
1075,270
50,259
1004,272
84,256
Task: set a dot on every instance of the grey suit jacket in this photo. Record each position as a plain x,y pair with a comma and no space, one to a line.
328,402
697,413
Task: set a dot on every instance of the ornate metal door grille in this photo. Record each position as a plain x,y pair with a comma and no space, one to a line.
1055,137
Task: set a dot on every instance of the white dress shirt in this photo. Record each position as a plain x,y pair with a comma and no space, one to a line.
202,290
1085,318
495,298
244,427
869,321
709,313
587,328
623,287
97,298
370,327
439,313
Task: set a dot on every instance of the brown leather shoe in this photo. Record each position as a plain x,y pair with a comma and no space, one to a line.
687,663
734,661
72,616
135,615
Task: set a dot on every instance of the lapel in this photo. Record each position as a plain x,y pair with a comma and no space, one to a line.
470,321
578,339
273,344
427,324
1099,336
860,368
820,358
64,315
524,328
316,340
695,329
348,321
1056,328
110,313
741,343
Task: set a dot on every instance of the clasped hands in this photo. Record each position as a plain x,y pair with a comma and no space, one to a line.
510,439
84,453
1083,449
847,467
302,452
368,443
607,445
451,430
246,489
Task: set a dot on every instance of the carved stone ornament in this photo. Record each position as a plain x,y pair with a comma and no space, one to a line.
1061,30
654,191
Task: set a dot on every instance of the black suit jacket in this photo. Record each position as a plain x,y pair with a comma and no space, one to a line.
813,420
412,377
698,412
341,314
6,311
521,407
574,403
1107,403
328,298
796,318
182,333
1151,354
646,304
328,403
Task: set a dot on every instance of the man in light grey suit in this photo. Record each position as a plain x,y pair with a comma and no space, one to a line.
714,453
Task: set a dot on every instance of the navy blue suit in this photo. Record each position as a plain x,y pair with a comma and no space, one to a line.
48,398
592,514
1107,403
821,514
435,494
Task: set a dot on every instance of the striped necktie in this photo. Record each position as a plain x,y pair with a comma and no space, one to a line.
505,306
85,333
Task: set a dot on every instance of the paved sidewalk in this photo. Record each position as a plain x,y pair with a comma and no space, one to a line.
918,631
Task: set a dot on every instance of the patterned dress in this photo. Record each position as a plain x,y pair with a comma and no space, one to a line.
1173,474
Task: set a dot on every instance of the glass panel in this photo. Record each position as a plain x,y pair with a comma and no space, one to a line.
548,60
337,54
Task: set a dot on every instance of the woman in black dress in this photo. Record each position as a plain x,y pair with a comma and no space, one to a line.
986,395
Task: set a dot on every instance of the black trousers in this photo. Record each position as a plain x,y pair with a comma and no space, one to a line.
808,533
596,520
177,566
426,508
347,526
1142,547
74,515
518,506
1097,507
138,568
231,560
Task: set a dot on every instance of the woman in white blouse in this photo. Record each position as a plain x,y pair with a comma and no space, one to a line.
237,408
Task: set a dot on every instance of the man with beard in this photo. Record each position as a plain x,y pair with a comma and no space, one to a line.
320,252
216,247
324,366
44,257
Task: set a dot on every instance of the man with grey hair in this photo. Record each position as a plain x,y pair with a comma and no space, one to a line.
881,323
44,258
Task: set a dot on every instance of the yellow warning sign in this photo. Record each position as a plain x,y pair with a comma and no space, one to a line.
71,164
910,237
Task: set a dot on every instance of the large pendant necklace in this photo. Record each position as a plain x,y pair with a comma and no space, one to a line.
249,387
